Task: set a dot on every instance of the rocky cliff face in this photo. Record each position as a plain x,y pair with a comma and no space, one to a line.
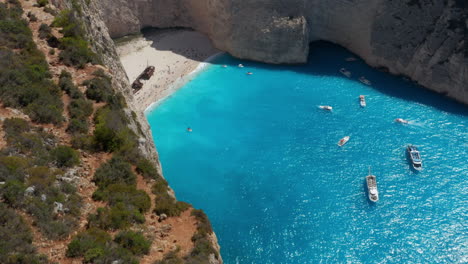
422,39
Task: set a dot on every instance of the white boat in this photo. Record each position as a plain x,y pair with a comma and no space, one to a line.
326,107
350,59
401,120
224,66
343,141
249,73
241,65
364,80
415,157
345,72
362,101
373,192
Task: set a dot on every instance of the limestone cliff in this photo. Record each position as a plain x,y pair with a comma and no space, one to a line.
422,39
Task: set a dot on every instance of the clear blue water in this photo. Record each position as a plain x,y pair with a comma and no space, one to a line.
263,162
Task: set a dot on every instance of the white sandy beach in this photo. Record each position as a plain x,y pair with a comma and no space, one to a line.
174,54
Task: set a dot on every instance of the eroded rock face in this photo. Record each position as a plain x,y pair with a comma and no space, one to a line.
423,39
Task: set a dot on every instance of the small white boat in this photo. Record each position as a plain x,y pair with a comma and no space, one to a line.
326,107
401,120
364,80
224,66
373,192
249,73
241,65
345,72
350,59
343,141
362,101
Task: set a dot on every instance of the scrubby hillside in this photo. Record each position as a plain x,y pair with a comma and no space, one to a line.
77,183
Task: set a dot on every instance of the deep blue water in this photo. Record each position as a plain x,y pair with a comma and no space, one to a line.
263,162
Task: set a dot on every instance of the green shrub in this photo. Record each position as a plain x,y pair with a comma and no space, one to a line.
146,168
75,50
135,242
79,126
65,156
13,193
160,186
42,3
44,31
80,108
126,194
116,217
66,84
171,258
99,89
12,168
15,126
203,247
165,204
16,243
91,238
24,77
114,171
84,142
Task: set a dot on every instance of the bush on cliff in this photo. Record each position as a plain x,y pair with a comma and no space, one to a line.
135,242
114,171
65,156
75,50
16,243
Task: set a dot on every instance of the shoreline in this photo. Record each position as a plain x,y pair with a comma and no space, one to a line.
181,81
177,55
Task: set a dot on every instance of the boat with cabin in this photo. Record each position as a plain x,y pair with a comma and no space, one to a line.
364,80
415,157
362,101
343,141
345,72
372,190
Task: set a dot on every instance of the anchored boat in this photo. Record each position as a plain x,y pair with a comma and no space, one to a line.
364,80
343,141
401,120
326,107
415,157
350,59
345,72
373,192
362,101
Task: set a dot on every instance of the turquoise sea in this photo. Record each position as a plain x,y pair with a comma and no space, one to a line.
263,162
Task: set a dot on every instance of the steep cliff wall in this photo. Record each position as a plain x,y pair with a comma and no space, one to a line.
422,39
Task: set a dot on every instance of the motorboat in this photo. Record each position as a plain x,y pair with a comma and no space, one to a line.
241,65
343,141
326,107
372,190
364,80
345,72
350,59
362,101
401,120
249,73
415,157
224,66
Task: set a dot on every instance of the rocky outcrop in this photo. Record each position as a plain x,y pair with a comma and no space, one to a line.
422,39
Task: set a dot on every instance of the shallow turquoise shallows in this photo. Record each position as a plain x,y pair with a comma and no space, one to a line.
263,162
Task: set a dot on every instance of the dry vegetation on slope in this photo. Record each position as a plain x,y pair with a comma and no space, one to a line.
74,186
